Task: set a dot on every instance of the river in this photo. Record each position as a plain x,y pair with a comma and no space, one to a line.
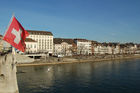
97,77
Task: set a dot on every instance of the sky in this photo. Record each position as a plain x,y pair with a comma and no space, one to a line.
99,20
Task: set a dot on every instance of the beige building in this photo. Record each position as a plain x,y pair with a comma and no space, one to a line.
44,40
63,46
31,45
100,49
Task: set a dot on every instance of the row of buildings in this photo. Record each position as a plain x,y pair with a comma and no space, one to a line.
44,42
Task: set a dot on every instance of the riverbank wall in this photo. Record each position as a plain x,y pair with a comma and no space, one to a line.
80,59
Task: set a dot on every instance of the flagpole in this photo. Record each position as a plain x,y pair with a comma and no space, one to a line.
13,49
14,56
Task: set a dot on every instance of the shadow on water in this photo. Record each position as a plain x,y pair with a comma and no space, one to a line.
99,77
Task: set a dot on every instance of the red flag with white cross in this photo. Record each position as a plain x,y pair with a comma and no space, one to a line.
16,34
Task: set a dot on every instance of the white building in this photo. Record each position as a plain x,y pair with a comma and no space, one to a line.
100,48
83,46
133,49
31,45
113,48
63,46
117,49
138,49
106,48
44,40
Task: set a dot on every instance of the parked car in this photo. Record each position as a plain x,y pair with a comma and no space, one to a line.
60,56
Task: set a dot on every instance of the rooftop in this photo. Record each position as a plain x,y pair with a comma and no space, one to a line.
29,40
110,44
34,32
60,40
81,40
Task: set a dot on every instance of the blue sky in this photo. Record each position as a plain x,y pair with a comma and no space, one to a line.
100,20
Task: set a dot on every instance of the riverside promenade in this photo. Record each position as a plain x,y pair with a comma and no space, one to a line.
80,59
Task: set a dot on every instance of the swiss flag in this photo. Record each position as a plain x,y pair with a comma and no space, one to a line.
16,34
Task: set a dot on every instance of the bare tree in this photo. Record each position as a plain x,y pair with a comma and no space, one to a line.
73,50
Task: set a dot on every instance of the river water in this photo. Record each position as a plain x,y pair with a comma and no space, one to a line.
98,77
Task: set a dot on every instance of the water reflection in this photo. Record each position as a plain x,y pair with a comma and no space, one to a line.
103,77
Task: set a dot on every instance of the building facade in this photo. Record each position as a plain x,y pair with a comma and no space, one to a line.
106,48
31,45
44,40
138,49
63,46
84,46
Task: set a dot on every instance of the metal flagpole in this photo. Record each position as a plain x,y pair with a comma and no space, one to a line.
13,49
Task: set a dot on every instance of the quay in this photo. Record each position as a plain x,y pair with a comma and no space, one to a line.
65,60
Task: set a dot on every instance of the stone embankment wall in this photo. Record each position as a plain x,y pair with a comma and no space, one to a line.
23,59
8,79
